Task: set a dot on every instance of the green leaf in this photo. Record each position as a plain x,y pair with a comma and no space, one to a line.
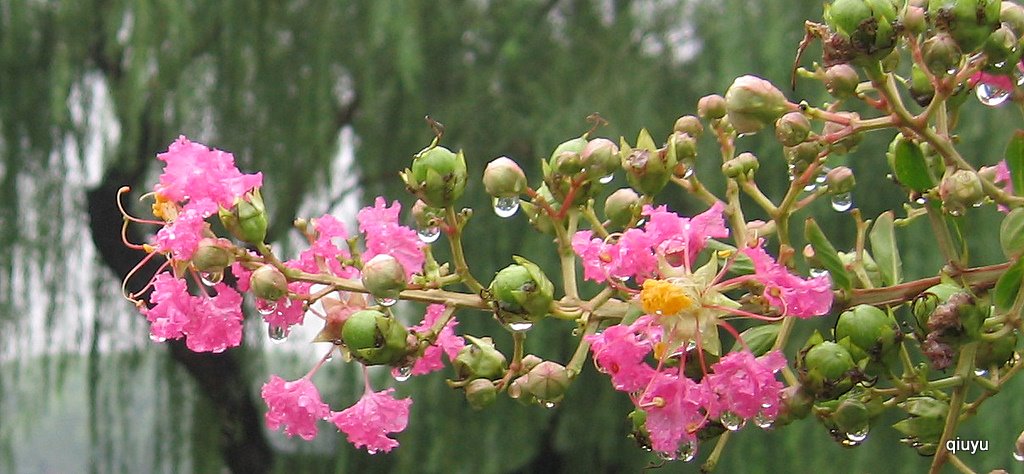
909,165
826,254
760,339
1015,160
1008,286
884,250
1011,234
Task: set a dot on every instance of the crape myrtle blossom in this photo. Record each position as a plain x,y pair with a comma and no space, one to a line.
683,308
208,323
368,422
446,342
295,405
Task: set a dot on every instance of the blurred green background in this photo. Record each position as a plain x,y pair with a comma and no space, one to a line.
327,98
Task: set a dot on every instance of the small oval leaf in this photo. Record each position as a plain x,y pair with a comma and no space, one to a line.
1015,160
884,250
1007,287
1011,233
827,255
909,165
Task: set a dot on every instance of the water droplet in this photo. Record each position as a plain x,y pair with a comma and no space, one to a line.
1018,456
731,421
277,333
858,436
823,175
955,212
667,456
687,451
155,338
506,206
549,404
385,300
266,307
763,421
980,372
401,374
951,71
688,172
211,278
429,235
999,65
991,95
817,273
810,187
520,326
842,202
921,200
606,179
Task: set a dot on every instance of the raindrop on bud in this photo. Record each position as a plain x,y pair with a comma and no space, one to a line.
385,301
606,179
521,326
401,374
731,421
762,421
266,307
211,278
277,333
842,202
429,235
506,206
991,95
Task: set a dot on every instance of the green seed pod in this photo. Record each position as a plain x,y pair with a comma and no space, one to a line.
480,393
373,338
862,29
711,107
871,332
213,255
479,360
825,369
622,206
996,353
851,416
522,294
970,22
648,169
268,283
600,157
383,276
504,178
752,103
437,176
1012,15
792,128
247,219
1001,49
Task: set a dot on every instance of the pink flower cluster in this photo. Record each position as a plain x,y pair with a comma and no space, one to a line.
790,294
296,406
635,253
208,323
199,180
446,343
677,407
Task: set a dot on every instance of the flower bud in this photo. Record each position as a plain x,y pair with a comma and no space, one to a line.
752,102
383,276
683,148
480,393
921,88
504,178
529,362
565,166
871,332
522,293
825,368
941,54
621,206
539,219
711,107
1012,15
373,338
689,125
247,219
648,169
914,19
213,255
517,390
268,283
925,304
437,176
600,157
841,81
840,180
802,155
743,165
961,190
969,22
548,381
796,405
792,128
1001,49
862,29
426,216
996,353
479,360
851,416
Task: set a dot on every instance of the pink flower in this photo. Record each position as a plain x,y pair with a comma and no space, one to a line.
283,313
328,247
792,295
628,257
1003,178
181,236
620,351
216,322
744,385
674,411
681,236
242,276
172,306
447,342
1001,81
368,422
385,235
196,173
296,405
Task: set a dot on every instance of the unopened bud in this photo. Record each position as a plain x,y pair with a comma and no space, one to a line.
383,276
479,359
792,128
426,216
213,255
841,81
969,22
689,125
743,165
548,381
648,169
268,283
522,293
872,332
437,176
711,107
825,369
480,393
840,180
961,190
847,143
621,206
861,28
504,178
373,338
1012,15
851,416
941,54
752,102
530,361
914,19
247,219
600,157
1001,49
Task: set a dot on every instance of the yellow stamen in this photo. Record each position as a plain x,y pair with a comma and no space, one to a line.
663,298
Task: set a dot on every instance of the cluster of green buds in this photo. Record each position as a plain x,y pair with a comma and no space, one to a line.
860,30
